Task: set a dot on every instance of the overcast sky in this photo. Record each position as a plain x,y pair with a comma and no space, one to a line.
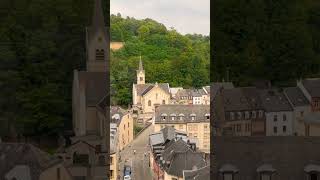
186,16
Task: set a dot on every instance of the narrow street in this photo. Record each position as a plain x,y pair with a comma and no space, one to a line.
138,162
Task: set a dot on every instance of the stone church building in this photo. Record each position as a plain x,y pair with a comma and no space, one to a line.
87,156
146,95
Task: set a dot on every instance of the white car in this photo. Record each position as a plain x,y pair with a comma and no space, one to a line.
127,177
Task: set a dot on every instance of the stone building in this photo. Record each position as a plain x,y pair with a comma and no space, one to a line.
124,123
192,119
87,156
20,161
146,95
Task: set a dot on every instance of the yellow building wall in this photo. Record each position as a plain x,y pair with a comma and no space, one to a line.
156,96
113,166
125,131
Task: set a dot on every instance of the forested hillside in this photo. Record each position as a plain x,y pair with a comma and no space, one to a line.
262,39
168,56
41,42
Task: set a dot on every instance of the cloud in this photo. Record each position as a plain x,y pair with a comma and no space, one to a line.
186,16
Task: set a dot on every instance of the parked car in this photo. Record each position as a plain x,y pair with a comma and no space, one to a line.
127,177
127,172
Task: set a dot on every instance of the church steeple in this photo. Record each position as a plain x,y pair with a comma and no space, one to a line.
140,73
98,18
140,65
97,41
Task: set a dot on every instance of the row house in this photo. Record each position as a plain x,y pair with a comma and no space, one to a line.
240,112
192,119
192,96
172,154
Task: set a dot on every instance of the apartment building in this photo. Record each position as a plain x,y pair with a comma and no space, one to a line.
192,119
124,123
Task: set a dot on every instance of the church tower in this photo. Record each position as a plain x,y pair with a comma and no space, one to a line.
140,73
97,46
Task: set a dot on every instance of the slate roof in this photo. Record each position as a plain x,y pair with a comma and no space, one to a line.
312,118
95,86
200,112
296,96
184,160
312,86
12,154
197,174
274,101
143,89
288,155
241,99
166,134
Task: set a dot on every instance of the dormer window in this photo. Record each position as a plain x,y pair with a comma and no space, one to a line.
228,172
173,116
181,117
99,54
246,115
265,171
254,114
231,115
239,115
207,116
164,115
193,116
312,171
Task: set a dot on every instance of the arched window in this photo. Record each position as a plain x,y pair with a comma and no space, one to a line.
265,171
312,171
149,103
99,55
228,171
163,101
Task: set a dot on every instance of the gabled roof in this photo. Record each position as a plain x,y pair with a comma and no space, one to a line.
274,101
296,96
12,154
312,86
143,89
185,160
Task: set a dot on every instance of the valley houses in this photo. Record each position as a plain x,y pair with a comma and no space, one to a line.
253,111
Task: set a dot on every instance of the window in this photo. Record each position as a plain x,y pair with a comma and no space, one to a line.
111,174
82,159
228,176
180,126
254,114
205,126
181,118
195,135
238,127
284,117
174,179
260,114
190,128
172,118
141,78
275,118
149,103
99,55
246,115
163,118
313,176
284,129
265,176
239,115
124,126
231,115
163,101
58,174
301,113
192,118
275,129
128,125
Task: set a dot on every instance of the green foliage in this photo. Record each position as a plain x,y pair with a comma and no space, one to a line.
262,39
181,60
41,43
